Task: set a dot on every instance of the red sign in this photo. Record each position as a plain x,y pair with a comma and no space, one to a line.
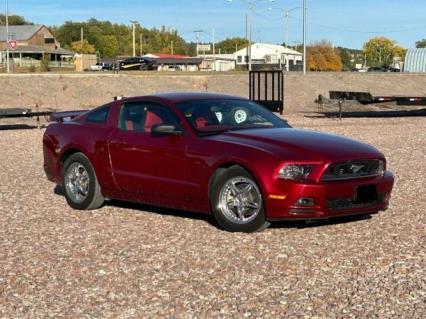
12,44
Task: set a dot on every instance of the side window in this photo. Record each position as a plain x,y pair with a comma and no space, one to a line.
141,117
132,117
98,116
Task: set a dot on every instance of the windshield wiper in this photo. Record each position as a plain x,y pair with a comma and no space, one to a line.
250,126
235,128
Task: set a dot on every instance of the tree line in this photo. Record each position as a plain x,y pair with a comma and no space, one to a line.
116,39
376,52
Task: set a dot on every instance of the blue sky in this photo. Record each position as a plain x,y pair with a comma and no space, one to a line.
346,23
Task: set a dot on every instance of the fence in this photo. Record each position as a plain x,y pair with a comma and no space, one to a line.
267,88
28,63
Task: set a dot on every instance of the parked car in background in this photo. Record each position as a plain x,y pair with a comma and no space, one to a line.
394,69
214,154
101,66
137,63
384,69
174,68
106,66
96,67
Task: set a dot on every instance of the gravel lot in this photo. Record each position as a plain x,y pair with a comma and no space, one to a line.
134,261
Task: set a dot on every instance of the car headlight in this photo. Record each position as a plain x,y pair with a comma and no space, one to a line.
295,171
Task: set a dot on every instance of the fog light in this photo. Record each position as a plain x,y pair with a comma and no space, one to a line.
305,201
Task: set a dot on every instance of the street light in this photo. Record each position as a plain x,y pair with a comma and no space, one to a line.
7,36
134,24
250,4
304,36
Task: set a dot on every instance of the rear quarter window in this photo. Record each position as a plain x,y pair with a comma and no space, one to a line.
99,116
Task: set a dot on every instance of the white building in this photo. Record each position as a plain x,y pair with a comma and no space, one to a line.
222,62
264,53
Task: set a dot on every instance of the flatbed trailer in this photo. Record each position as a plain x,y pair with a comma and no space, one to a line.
368,98
23,113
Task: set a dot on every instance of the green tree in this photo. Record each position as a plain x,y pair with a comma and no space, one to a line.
346,58
13,20
108,45
68,33
381,51
421,44
117,39
230,45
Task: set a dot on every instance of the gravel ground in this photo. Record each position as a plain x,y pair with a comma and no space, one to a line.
134,261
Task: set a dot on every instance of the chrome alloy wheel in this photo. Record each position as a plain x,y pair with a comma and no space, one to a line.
77,182
240,200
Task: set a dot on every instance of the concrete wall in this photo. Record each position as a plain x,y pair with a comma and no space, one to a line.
85,90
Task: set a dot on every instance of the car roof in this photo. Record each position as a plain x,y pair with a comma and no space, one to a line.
172,98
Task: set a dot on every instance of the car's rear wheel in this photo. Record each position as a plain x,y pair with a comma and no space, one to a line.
81,186
236,201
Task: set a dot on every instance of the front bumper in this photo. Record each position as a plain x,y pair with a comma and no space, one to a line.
330,199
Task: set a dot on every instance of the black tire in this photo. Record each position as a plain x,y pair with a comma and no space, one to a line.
219,187
94,198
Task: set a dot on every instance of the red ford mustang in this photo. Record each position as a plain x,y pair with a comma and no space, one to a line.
215,154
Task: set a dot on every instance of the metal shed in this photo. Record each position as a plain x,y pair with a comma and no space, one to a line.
415,60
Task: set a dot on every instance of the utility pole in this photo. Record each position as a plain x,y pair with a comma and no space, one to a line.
250,23
141,43
286,28
214,51
134,23
81,37
7,37
172,49
304,36
197,39
246,28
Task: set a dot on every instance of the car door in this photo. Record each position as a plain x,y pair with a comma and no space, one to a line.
143,164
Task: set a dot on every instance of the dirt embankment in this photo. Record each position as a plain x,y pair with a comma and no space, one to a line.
71,91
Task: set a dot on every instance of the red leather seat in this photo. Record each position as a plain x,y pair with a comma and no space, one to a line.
150,120
200,122
130,126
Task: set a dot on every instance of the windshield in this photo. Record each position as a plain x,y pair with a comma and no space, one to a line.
215,116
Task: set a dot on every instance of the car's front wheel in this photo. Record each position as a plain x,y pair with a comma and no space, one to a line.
236,201
81,187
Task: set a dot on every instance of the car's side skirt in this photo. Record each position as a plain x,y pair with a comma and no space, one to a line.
155,201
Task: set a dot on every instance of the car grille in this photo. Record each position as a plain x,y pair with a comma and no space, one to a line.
354,169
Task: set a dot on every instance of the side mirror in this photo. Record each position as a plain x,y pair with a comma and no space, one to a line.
166,130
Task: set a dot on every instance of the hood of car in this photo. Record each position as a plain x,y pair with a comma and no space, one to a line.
296,144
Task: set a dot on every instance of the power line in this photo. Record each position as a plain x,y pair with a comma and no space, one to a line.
221,38
265,17
344,29
363,31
